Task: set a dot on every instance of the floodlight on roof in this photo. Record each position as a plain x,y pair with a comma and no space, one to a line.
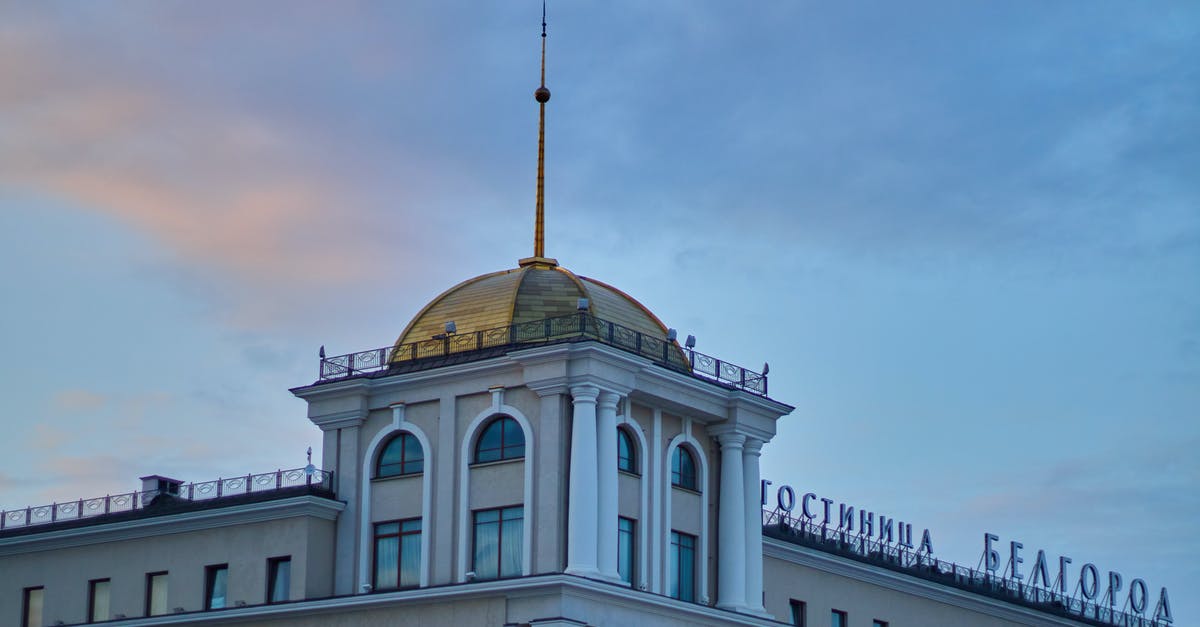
690,342
582,304
671,335
451,328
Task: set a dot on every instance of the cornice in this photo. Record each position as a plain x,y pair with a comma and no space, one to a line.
232,515
905,584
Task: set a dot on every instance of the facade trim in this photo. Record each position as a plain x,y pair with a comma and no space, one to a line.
307,505
832,564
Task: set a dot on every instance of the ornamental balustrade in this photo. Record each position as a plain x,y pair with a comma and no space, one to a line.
581,326
898,557
278,480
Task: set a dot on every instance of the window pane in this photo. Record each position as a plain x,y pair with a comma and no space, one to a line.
487,544
514,439
511,541
216,586
411,525
488,448
625,459
99,600
33,607
281,580
837,618
387,559
156,595
625,544
414,457
410,559
389,460
683,566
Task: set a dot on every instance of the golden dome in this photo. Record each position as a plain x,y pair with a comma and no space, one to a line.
534,291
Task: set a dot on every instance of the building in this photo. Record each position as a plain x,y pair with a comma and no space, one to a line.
535,448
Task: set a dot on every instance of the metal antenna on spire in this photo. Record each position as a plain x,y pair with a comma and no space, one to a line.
542,95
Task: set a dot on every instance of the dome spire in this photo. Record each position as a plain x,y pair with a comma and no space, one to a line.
542,95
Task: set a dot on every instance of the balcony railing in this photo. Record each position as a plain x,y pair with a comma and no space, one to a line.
313,478
896,557
581,326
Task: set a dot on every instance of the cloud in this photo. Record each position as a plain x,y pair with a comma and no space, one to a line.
78,400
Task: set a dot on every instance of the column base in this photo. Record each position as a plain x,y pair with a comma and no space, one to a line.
578,571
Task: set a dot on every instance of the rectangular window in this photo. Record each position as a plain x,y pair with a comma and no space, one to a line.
499,534
799,612
398,554
279,579
837,618
156,593
31,610
879,623
626,552
98,600
683,566
216,580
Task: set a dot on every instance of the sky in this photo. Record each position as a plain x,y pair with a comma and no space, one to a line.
965,236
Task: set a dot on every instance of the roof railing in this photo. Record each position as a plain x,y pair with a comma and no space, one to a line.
572,327
903,558
312,478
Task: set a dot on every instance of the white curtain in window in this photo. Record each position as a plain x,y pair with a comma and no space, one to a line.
387,554
510,545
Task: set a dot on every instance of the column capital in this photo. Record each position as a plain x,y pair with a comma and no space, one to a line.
754,446
608,399
584,393
731,440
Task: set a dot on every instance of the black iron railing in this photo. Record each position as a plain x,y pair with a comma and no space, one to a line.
903,558
660,350
199,491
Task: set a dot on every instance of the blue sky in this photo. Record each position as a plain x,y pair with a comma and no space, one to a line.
966,236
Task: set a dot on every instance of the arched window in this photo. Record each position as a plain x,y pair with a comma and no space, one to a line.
501,439
401,456
683,469
626,454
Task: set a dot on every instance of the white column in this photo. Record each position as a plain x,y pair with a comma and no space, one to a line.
581,509
731,548
606,488
754,563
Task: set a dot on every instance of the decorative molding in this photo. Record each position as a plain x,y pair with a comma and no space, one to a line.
604,594
904,584
168,524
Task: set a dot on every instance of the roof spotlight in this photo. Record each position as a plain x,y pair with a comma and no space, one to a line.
690,342
582,304
450,328
671,334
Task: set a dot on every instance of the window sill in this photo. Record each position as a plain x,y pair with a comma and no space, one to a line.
391,477
629,473
498,462
687,490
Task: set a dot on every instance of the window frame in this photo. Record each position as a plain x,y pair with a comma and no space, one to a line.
875,622
273,564
627,463
27,606
676,561
519,517
399,535
210,586
505,451
799,612
842,618
91,606
677,475
151,577
401,439
631,536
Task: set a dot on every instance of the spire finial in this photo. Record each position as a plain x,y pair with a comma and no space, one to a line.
542,95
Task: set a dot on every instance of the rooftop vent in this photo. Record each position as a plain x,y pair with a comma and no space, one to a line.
154,486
